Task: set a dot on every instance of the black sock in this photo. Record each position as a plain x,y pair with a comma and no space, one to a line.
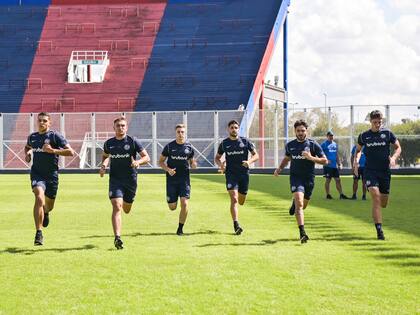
180,226
235,224
378,226
38,231
117,237
302,229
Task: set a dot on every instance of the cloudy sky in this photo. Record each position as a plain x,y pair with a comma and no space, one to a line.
357,52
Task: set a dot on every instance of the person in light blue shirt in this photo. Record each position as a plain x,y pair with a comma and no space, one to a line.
361,167
330,148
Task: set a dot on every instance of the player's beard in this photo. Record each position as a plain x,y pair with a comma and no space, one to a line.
233,134
301,137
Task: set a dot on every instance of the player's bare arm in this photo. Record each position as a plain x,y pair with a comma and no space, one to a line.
396,155
253,159
282,165
165,167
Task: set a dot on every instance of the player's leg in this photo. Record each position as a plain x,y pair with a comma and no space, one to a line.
300,218
184,191
38,188
372,184
327,183
355,186
117,208
339,187
233,194
171,195
243,185
50,194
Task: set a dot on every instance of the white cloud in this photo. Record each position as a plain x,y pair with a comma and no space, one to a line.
352,51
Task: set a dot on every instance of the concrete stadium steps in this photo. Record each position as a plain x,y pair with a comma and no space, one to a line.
127,32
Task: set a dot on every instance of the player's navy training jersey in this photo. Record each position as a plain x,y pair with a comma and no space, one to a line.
330,149
235,152
121,153
377,148
45,164
300,166
362,160
178,156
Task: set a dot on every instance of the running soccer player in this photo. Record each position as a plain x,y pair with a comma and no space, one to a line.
361,169
378,162
331,170
121,151
44,148
303,153
236,168
179,157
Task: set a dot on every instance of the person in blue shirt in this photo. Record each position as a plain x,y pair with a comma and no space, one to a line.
331,170
236,168
361,169
121,152
303,153
43,148
377,142
179,157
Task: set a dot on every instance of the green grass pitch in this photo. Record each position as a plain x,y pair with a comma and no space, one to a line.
343,269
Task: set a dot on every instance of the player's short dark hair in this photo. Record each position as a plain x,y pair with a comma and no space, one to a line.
44,114
179,126
119,119
233,121
375,114
300,122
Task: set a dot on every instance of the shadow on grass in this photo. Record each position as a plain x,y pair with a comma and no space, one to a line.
262,243
23,251
137,234
403,220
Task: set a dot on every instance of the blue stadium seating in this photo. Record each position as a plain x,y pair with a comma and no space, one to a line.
206,55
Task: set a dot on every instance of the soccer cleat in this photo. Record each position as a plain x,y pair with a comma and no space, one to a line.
363,197
179,232
380,235
354,197
343,196
329,196
304,238
238,230
292,208
46,220
39,239
118,243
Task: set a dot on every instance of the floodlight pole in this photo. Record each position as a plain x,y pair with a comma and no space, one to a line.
285,82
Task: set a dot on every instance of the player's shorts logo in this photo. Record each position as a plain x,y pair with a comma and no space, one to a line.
383,136
33,182
168,198
229,185
110,193
126,147
47,141
293,188
367,182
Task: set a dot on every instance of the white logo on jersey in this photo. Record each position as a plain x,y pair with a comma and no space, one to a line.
228,146
376,144
383,136
37,150
177,157
241,145
298,157
187,151
235,152
127,147
120,156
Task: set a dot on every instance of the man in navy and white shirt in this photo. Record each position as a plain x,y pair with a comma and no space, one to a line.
236,168
45,146
377,142
121,151
179,157
303,153
331,170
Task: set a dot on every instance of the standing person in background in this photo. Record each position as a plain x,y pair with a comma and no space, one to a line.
360,175
331,170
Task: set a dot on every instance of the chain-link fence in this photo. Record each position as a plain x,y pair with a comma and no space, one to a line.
86,132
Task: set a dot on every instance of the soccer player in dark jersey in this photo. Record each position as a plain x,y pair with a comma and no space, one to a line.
331,170
179,157
236,168
303,153
44,148
121,151
377,172
360,175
